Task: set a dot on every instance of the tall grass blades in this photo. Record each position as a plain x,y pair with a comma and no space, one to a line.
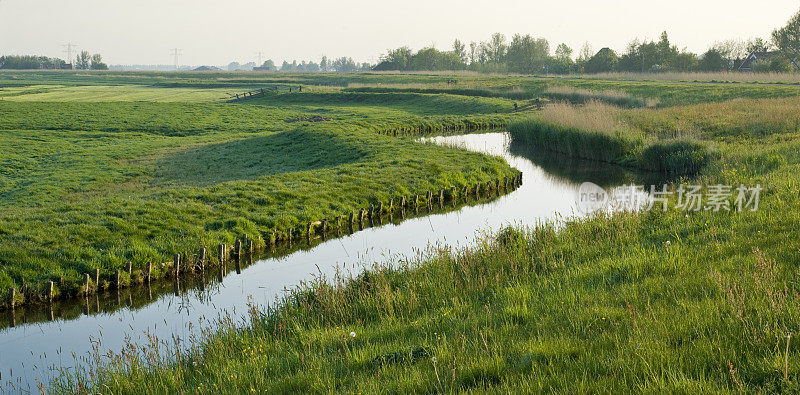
613,97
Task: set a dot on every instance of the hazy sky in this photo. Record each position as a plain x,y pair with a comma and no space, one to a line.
217,32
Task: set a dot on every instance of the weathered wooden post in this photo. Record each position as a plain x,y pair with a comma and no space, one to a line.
12,294
251,246
202,259
351,218
402,202
371,211
117,280
466,192
87,284
148,271
416,201
50,291
453,193
237,249
97,278
429,198
391,204
380,208
130,268
310,229
361,215
221,253
176,263
324,226
441,195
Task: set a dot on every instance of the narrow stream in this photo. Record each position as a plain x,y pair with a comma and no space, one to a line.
31,352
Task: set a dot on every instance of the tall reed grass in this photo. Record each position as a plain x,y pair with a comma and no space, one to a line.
595,131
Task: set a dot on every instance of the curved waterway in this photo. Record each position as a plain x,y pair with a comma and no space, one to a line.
33,352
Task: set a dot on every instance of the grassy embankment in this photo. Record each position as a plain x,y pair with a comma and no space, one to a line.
87,186
657,301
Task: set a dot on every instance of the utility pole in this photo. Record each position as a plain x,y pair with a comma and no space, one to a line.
260,55
68,49
176,52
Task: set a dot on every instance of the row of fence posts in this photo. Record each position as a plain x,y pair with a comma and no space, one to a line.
261,92
246,246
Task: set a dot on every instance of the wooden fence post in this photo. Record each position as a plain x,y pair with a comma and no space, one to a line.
50,290
202,258
176,263
97,278
221,253
149,271
11,296
237,249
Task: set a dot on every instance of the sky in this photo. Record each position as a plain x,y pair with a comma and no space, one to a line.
215,32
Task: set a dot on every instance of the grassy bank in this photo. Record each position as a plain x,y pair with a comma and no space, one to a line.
138,178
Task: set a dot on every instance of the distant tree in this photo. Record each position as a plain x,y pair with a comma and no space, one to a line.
344,65
28,62
666,53
604,60
269,65
496,48
83,61
527,55
286,66
563,51
685,61
584,55
758,45
460,50
432,59
787,39
473,52
712,60
97,63
323,64
396,59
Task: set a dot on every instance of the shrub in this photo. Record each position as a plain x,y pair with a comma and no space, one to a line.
675,156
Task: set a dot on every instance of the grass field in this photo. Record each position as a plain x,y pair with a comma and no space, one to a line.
654,301
96,176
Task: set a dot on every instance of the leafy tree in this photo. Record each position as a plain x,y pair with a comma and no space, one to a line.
97,63
563,51
397,59
83,60
432,59
269,65
787,38
344,65
323,64
527,55
460,50
473,52
496,48
757,45
28,62
685,61
713,60
604,60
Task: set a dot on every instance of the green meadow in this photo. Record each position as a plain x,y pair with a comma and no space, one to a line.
653,301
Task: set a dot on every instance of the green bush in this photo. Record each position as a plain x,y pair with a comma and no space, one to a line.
675,156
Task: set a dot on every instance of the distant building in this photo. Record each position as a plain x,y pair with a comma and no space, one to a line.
66,66
747,64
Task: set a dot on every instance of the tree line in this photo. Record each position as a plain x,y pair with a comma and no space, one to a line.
84,61
525,54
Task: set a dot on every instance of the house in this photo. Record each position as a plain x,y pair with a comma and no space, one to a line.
747,64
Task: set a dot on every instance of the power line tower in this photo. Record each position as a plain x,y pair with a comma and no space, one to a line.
176,52
68,49
260,55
